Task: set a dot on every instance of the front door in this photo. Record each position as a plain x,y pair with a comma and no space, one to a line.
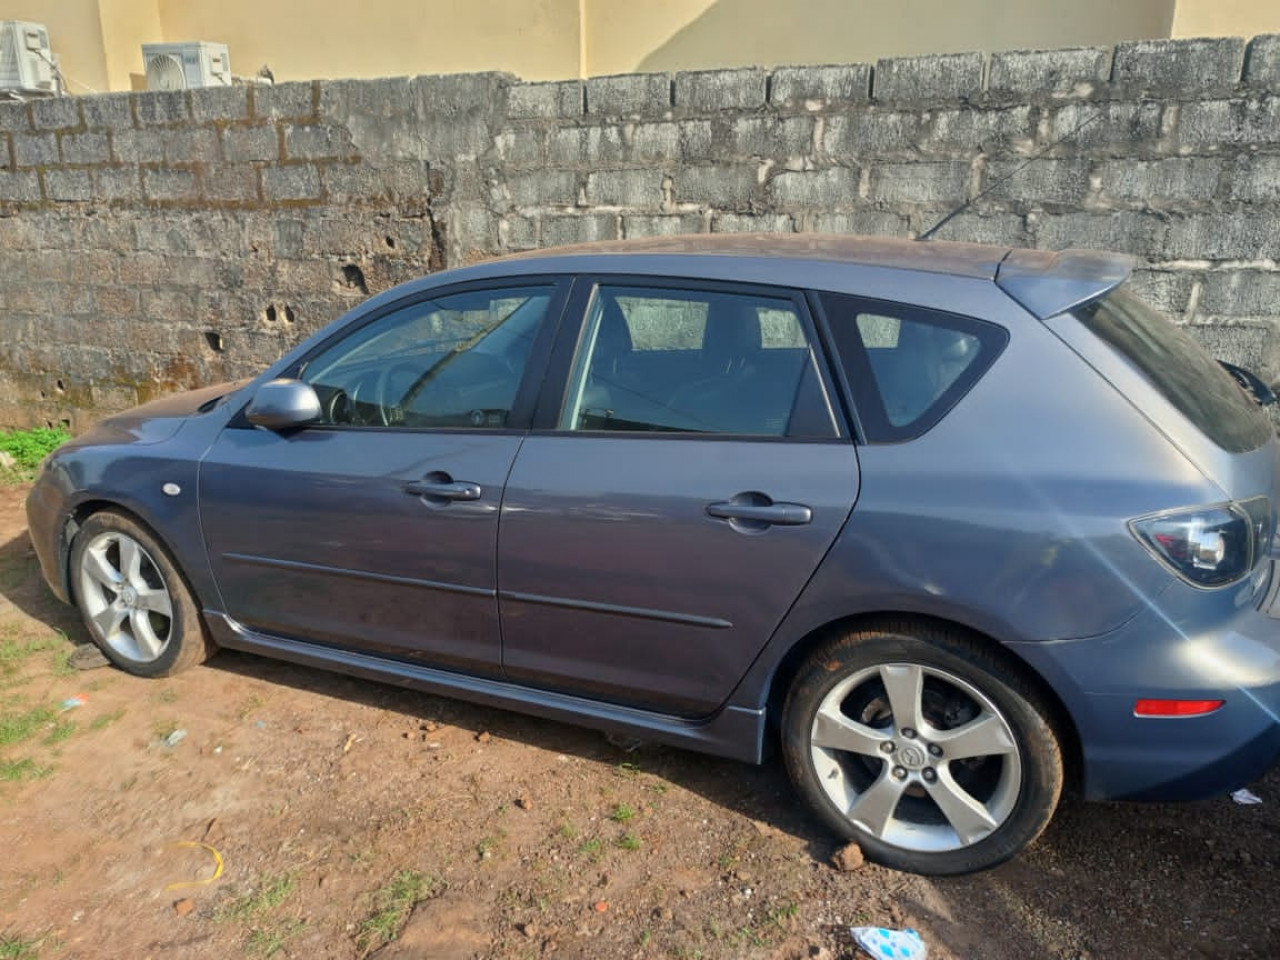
376,528
658,529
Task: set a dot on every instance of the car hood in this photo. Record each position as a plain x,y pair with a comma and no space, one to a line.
160,419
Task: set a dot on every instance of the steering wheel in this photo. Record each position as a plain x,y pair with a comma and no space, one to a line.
394,381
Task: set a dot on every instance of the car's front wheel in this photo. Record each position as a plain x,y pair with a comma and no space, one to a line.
133,599
924,747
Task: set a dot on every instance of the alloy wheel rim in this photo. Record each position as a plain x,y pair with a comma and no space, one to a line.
916,756
125,598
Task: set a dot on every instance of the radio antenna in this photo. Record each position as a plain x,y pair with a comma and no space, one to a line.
1009,176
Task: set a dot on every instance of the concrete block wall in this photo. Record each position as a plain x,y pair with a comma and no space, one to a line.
160,240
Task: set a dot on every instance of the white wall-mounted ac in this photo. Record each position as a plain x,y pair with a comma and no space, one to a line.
26,61
185,66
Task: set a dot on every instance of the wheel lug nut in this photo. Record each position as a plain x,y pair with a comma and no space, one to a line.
899,773
908,733
935,750
887,747
929,774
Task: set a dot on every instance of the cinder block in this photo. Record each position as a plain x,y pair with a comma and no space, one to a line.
35,149
284,101
1056,73
220,104
118,302
919,182
111,111
949,76
1166,290
772,136
1125,231
872,132
989,131
244,144
14,115
1180,66
1241,293
1262,62
1236,236
790,86
191,145
86,148
1002,229
20,187
816,189
1040,181
230,182
521,148
138,146
1115,125
57,113
1245,343
117,183
562,98
317,142
722,187
752,223
588,228
629,95
586,145
543,188
706,91
68,185
663,226
1161,182
1217,122
169,185
625,188
519,233
162,108
861,222
460,93
292,182
689,140
1256,178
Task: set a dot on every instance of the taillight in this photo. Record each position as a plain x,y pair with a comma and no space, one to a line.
1209,546
1176,708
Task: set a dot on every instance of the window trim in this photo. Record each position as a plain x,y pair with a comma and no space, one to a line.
573,328
857,379
526,398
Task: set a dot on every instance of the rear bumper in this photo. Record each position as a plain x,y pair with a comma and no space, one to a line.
1194,645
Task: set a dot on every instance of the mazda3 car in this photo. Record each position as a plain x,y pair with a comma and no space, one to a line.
947,526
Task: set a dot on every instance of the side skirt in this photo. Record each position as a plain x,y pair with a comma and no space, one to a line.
734,732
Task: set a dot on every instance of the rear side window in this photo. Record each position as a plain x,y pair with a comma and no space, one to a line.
905,365
1180,368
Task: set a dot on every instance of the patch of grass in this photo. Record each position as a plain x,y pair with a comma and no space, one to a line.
270,893
13,947
622,813
106,719
565,831
28,448
591,848
629,841
15,650
62,730
23,724
13,771
393,903
628,770
268,941
166,695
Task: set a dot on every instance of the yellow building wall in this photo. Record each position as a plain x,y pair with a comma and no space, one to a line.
126,26
75,33
625,35
1226,18
304,39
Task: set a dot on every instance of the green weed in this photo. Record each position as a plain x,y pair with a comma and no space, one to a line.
268,941
28,448
106,719
11,771
62,730
629,841
270,893
622,813
13,947
393,903
23,724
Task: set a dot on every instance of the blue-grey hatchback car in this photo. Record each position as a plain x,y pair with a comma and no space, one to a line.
952,525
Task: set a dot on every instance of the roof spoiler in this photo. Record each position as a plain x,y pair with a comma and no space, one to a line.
1048,284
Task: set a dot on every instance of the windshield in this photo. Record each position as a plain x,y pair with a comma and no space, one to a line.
1180,368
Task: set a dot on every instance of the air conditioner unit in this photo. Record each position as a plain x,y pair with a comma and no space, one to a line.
26,61
185,66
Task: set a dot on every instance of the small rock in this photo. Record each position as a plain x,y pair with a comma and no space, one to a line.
429,727
524,802
848,858
529,929
183,907
483,736
6,460
662,913
600,906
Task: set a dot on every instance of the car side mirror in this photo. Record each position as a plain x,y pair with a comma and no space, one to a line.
283,405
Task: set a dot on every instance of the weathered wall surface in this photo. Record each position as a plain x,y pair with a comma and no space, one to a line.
156,241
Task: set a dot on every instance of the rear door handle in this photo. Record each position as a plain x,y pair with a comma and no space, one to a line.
443,489
773,514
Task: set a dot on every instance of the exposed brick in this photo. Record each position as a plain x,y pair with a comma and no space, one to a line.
317,142
1223,237
169,184
919,182
242,144
138,146
14,115
686,140
291,101
22,187
1219,122
990,131
162,108
113,111
625,188
237,182
522,147
949,76
789,86
198,145
822,189
1256,178
630,94
998,228
772,136
35,149
545,100
663,226
863,222
873,132
725,188
520,233
1032,73
1121,126
224,104
543,187
713,90
1241,293
1128,232
86,148
293,182
587,145
1161,182
58,113
1041,181
68,185
1191,66
749,223
117,183
1166,290
1262,62
578,229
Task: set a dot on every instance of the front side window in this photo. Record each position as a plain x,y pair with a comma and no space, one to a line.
453,361
907,366
683,361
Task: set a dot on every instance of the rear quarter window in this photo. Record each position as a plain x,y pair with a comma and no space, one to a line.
907,366
1182,370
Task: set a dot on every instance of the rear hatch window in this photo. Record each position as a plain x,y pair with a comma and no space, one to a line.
1175,363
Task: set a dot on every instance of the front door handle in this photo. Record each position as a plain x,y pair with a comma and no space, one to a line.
443,489
750,511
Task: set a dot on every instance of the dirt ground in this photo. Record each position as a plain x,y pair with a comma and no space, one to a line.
346,813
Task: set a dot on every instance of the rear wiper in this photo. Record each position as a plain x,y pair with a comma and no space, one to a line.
1251,384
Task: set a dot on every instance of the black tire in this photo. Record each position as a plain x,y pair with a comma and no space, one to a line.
945,815
133,599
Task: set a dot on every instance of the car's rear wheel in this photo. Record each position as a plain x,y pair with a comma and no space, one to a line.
134,601
923,746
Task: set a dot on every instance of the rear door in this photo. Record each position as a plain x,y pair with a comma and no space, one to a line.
678,491
376,528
